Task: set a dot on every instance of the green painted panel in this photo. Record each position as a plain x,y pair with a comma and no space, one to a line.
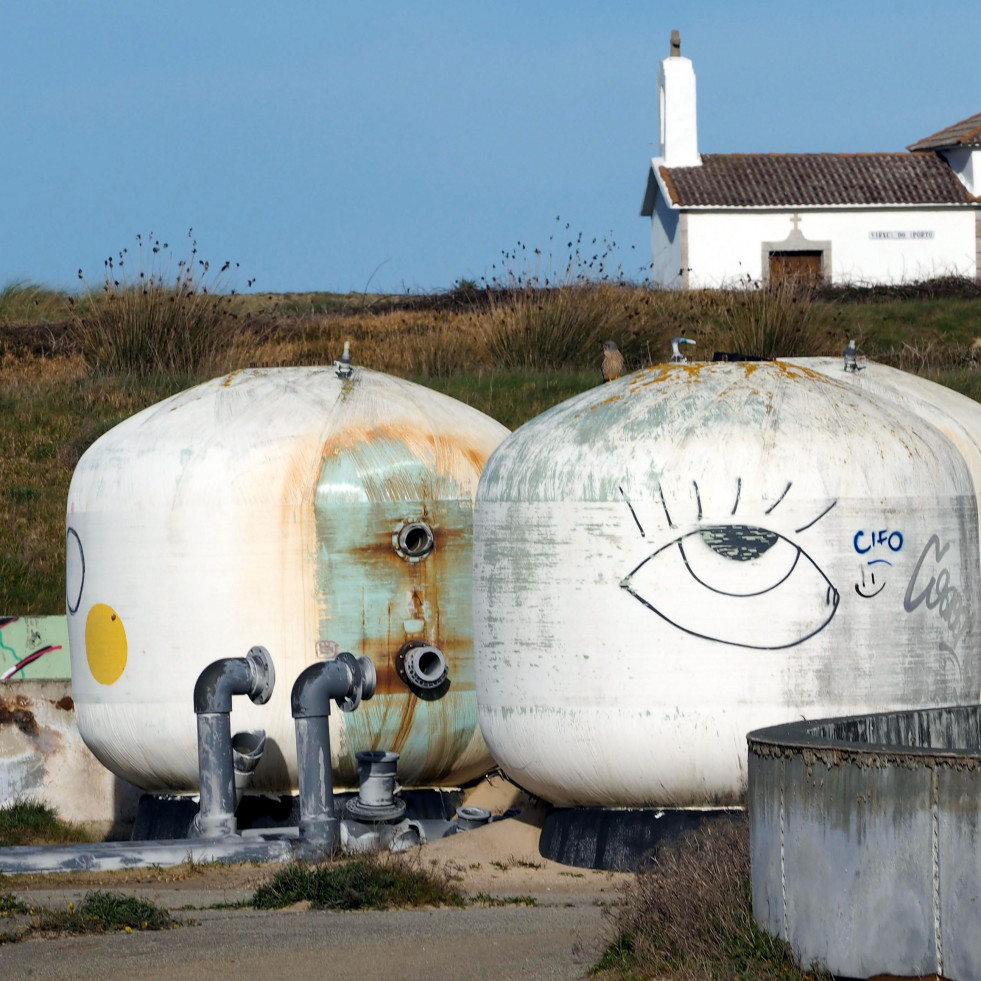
372,600
39,644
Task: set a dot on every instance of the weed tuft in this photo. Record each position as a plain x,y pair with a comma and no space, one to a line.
28,821
770,321
368,882
99,912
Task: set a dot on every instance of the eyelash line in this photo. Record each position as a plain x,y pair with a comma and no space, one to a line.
797,531
779,499
640,527
664,505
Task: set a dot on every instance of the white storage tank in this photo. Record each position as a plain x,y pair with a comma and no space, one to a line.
673,559
292,508
956,416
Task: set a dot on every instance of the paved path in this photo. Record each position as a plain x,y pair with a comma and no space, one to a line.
561,941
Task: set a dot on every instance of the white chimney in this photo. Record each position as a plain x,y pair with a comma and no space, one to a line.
676,99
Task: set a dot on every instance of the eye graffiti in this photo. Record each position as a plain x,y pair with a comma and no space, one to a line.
737,584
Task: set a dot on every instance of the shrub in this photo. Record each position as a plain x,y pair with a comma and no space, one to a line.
23,302
689,914
771,321
156,321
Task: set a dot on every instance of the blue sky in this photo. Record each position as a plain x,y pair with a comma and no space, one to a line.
401,146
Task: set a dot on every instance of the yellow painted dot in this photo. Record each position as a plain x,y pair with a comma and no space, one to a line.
105,644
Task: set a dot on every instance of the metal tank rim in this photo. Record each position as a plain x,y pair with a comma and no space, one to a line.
818,738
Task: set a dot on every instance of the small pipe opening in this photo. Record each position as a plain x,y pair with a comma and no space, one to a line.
430,665
415,540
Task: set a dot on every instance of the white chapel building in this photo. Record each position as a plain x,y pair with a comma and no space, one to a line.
725,219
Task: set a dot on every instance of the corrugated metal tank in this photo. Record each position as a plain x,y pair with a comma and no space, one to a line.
671,560
291,508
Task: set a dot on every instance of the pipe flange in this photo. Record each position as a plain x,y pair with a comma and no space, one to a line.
263,674
376,813
469,817
356,691
423,668
369,677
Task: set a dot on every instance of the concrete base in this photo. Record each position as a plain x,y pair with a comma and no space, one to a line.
42,756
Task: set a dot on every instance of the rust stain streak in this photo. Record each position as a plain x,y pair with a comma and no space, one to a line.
17,711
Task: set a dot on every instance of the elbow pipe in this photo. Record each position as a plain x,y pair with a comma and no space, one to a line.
347,680
253,675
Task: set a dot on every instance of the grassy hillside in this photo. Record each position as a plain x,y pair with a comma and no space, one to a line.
71,368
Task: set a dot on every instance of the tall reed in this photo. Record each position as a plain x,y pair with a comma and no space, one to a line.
158,318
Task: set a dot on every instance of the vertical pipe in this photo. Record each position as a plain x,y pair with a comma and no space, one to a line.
345,679
216,811
318,820
253,675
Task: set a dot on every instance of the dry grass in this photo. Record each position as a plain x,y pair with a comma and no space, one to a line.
688,916
153,316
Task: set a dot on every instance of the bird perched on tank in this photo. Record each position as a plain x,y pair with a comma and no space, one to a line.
676,356
612,366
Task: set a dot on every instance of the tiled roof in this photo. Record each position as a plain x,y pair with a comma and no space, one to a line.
965,133
757,180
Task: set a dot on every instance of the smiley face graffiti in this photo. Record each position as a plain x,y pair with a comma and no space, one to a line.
878,544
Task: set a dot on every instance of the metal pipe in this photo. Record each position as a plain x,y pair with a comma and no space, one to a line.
376,801
253,675
345,679
247,750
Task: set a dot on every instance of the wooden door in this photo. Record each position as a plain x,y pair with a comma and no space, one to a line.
795,267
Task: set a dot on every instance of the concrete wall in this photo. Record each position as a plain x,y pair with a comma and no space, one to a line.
42,756
874,245
666,255
866,841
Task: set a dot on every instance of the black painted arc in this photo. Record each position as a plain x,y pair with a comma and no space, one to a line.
618,839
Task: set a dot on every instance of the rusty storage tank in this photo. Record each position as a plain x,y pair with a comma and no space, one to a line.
294,508
694,551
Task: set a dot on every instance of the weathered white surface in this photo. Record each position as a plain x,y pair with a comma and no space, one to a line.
678,113
207,524
42,756
725,247
694,551
966,163
956,416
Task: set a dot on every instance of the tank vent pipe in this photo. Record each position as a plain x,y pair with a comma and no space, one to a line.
253,675
346,679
